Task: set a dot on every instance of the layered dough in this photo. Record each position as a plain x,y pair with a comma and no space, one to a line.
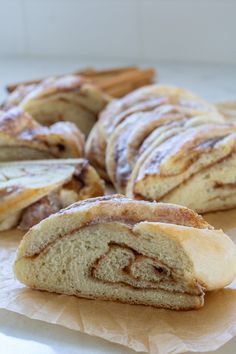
195,168
146,99
165,144
22,138
114,248
68,98
32,190
141,130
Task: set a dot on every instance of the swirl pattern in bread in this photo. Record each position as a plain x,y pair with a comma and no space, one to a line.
137,252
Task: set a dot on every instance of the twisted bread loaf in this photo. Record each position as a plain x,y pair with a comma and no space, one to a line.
165,144
131,138
114,248
145,99
195,168
32,190
22,138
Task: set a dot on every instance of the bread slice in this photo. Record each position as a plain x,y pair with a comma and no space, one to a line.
32,190
145,99
68,98
195,158
22,138
114,248
128,140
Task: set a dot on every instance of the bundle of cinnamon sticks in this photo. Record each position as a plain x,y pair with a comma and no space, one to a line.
116,82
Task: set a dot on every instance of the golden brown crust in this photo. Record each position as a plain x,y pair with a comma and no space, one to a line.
117,208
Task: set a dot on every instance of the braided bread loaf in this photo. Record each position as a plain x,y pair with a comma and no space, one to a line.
139,131
196,168
165,144
145,99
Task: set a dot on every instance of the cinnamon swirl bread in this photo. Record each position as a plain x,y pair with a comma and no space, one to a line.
137,252
195,168
130,139
32,190
145,99
22,138
68,98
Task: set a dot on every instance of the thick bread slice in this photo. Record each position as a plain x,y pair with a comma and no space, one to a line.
22,138
163,169
129,138
114,248
68,98
24,183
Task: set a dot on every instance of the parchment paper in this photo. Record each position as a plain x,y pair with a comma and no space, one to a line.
138,327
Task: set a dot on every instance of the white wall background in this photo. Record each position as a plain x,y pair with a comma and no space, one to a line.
129,30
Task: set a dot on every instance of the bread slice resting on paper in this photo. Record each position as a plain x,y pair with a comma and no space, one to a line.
136,252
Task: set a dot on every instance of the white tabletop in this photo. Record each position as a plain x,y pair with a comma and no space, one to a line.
21,335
